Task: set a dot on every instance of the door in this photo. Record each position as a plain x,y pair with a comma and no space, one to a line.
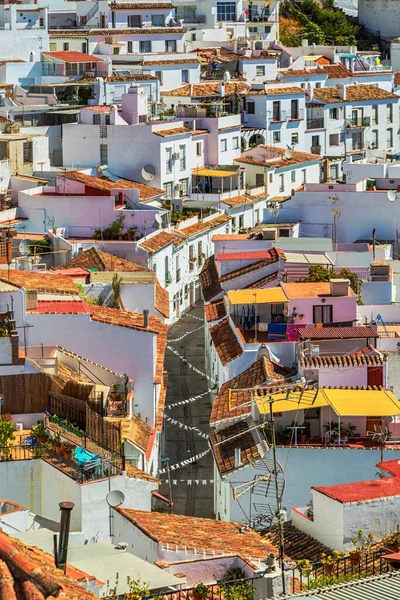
375,376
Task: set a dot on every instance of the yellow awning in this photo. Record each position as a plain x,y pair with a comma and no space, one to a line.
213,173
266,296
345,403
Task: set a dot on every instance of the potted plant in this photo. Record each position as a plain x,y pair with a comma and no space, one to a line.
361,544
6,436
350,430
55,442
66,450
39,433
304,567
330,560
392,542
200,591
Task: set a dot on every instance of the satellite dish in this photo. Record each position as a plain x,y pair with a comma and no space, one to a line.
158,219
149,172
24,247
115,498
391,195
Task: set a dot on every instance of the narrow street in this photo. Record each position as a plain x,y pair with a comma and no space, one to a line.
194,499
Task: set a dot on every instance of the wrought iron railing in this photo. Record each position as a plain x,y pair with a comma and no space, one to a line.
215,591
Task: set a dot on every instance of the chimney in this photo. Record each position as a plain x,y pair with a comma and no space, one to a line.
339,287
238,458
342,92
221,88
61,556
146,318
113,114
134,105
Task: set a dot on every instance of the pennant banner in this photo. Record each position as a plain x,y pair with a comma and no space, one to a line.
183,426
183,359
186,462
188,400
182,337
194,317
190,481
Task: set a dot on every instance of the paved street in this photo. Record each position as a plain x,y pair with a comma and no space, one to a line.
184,383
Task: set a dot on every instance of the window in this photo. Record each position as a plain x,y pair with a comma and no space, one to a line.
295,138
41,22
182,157
65,46
293,176
96,119
375,114
284,233
168,163
198,149
318,84
84,47
158,74
157,20
271,177
170,46
257,215
145,46
199,253
191,258
250,108
304,175
28,152
167,273
389,138
235,143
53,47
334,139
134,21
276,137
168,189
334,113
223,145
103,154
177,269
260,70
183,184
389,113
259,179
374,139
185,76
241,222
276,110
294,109
103,131
130,47
334,172
323,314
226,11
281,182
315,141
267,28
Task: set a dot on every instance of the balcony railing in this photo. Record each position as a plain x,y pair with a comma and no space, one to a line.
216,591
315,123
361,122
286,115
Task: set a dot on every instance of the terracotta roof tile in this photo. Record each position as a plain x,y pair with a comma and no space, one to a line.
26,572
161,402
173,131
209,279
135,430
271,91
366,357
201,90
132,320
162,300
159,241
140,5
161,346
337,333
274,257
41,282
72,56
239,435
209,535
60,307
201,227
115,32
309,289
215,310
225,341
243,199
260,283
300,72
397,78
354,93
337,71
145,191
136,473
177,61
121,78
269,156
103,261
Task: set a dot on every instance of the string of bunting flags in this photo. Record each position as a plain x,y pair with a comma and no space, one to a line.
190,481
188,400
182,337
183,426
183,463
194,317
183,359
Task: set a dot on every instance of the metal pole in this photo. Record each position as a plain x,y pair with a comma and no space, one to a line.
170,487
66,509
278,500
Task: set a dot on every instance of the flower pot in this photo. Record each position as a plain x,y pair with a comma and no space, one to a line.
355,558
306,572
67,454
302,438
58,449
42,439
328,568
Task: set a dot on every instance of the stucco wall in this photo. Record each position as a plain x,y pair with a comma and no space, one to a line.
139,543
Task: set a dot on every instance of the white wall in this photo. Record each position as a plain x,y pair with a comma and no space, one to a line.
139,544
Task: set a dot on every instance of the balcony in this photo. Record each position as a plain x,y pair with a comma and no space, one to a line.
262,18
355,123
315,124
192,19
286,115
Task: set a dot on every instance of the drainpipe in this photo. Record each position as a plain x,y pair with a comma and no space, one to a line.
66,509
146,318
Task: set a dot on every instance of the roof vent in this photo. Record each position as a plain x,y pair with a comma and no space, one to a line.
340,287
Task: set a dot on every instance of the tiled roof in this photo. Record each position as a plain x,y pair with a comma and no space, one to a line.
114,32
203,534
229,405
177,61
209,279
161,300
337,71
161,346
309,289
271,91
225,341
268,156
243,199
337,333
225,441
72,56
159,241
199,90
300,72
41,282
228,237
161,402
119,78
136,473
136,431
201,227
366,357
145,191
132,320
215,310
260,283
274,256
354,93
60,307
173,131
397,78
103,261
28,573
140,5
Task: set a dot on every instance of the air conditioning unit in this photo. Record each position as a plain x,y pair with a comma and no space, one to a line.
168,202
176,156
